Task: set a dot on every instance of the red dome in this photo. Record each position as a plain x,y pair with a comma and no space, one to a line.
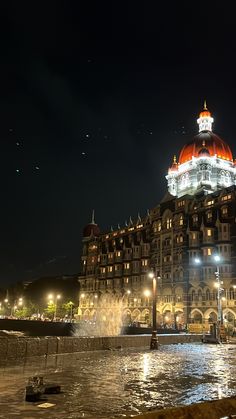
91,229
211,142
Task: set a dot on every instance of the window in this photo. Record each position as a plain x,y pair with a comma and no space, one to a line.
195,218
209,251
209,232
126,280
110,255
118,254
224,211
211,202
181,204
159,226
144,262
194,236
181,239
110,268
117,267
181,220
126,265
103,270
209,215
168,223
226,197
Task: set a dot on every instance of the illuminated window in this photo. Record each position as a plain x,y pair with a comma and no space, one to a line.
181,203
209,233
110,255
168,223
224,211
210,202
226,197
159,226
118,254
126,265
126,280
181,239
84,262
181,220
194,236
144,262
103,270
117,267
207,252
93,259
110,268
209,215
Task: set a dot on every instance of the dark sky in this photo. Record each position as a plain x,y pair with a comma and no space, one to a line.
94,102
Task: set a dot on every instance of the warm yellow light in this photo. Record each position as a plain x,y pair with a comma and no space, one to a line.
50,296
151,275
58,296
82,295
128,292
147,293
6,300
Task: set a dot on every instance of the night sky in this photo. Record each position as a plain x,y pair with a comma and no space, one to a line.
94,103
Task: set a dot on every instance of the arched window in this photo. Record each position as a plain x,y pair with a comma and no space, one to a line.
208,294
199,294
181,220
193,295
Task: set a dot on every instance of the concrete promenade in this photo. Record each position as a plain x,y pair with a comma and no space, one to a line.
13,348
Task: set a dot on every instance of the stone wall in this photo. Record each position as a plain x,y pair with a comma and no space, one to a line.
12,348
217,409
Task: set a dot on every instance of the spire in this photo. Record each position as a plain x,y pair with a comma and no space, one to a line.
174,159
92,220
205,105
118,226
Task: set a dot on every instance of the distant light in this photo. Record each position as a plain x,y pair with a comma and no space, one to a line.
37,167
151,275
217,258
83,153
128,292
17,170
197,261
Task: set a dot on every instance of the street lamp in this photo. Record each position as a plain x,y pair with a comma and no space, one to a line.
154,339
217,259
54,301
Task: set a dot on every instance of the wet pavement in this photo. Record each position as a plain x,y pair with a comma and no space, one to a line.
115,384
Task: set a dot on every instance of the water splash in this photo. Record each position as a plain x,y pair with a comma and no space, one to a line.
106,318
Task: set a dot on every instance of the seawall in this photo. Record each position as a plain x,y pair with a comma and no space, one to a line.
13,348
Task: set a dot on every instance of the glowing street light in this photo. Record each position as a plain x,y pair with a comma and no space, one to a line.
52,300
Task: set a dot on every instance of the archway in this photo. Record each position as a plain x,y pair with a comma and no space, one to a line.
196,316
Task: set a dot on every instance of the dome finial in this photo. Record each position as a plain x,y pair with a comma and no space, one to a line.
174,159
205,105
92,220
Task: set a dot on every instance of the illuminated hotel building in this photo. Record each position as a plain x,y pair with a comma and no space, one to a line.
193,222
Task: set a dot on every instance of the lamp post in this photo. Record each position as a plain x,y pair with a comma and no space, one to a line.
219,301
154,339
54,301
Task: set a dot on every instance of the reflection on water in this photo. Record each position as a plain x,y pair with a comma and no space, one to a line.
112,384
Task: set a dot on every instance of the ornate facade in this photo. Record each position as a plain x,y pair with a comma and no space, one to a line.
192,223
